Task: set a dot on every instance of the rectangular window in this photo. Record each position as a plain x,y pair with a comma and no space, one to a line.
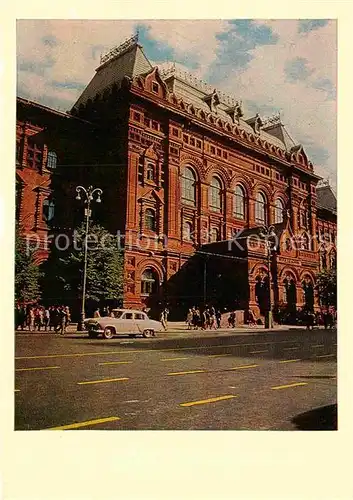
186,138
137,117
219,152
155,87
147,122
34,155
175,132
192,141
213,150
198,144
155,125
225,154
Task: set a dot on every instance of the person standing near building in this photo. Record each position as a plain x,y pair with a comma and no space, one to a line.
218,318
189,319
96,313
62,320
46,319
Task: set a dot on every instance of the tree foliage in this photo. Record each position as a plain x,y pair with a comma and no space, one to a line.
326,286
27,273
64,270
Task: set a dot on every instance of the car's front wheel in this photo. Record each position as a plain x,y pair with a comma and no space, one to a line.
108,333
148,333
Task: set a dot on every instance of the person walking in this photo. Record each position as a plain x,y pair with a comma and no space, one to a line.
218,318
163,319
46,319
231,320
189,319
96,313
62,320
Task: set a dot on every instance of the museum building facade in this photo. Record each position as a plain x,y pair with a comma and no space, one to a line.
187,179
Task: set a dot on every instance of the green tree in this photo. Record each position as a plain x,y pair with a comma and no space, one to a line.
27,273
326,286
64,269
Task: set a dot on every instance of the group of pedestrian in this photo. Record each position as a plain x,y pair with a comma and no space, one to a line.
38,317
325,318
207,319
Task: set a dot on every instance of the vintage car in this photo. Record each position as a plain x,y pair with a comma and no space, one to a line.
122,322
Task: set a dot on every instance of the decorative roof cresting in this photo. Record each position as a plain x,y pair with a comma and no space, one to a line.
117,51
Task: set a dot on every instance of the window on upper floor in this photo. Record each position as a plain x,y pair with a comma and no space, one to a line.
239,199
188,187
279,209
214,235
155,87
150,172
48,210
52,160
261,209
150,219
187,231
216,194
34,155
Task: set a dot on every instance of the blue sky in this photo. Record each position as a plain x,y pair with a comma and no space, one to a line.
271,65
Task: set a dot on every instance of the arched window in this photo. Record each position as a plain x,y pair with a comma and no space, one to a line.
260,209
48,210
187,231
188,187
279,209
52,160
239,196
216,195
149,282
150,172
150,219
214,235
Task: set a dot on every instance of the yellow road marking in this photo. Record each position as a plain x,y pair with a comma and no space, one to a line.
325,356
290,348
243,366
318,345
210,400
221,346
217,355
102,380
115,363
296,384
172,359
36,368
289,360
84,424
186,373
257,352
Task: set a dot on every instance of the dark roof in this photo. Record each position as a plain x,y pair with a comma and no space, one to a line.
326,198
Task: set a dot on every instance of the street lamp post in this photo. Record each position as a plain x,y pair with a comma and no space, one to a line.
268,233
88,198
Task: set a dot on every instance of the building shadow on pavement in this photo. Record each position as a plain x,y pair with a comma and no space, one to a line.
319,419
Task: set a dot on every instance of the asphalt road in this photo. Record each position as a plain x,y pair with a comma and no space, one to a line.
283,380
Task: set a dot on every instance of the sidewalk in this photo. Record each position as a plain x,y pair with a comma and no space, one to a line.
181,327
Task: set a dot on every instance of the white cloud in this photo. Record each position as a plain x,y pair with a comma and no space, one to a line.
310,116
197,39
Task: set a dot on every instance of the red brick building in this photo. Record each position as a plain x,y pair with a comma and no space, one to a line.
182,171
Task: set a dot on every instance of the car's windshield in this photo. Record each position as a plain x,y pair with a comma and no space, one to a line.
116,314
